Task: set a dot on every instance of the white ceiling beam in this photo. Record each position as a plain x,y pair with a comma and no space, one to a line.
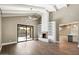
16,9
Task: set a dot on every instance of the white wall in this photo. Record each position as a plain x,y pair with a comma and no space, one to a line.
67,15
0,30
9,26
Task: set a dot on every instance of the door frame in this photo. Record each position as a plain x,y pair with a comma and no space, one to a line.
26,32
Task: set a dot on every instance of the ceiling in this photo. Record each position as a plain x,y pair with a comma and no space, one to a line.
24,9
19,10
51,7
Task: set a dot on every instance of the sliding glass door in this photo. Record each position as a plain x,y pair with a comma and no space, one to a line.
24,32
29,32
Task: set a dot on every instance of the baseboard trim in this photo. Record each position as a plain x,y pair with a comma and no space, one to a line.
3,44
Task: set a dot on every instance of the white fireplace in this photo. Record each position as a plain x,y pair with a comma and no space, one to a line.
45,35
49,36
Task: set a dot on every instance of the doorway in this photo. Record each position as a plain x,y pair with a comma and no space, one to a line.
25,33
68,35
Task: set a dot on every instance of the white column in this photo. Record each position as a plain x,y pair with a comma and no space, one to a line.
44,21
0,31
44,26
52,31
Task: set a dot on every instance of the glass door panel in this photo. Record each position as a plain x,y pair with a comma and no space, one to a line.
21,33
28,33
32,35
25,32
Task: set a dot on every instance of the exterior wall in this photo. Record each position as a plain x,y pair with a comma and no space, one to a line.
9,26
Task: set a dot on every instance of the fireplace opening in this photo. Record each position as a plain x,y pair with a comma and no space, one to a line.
44,35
